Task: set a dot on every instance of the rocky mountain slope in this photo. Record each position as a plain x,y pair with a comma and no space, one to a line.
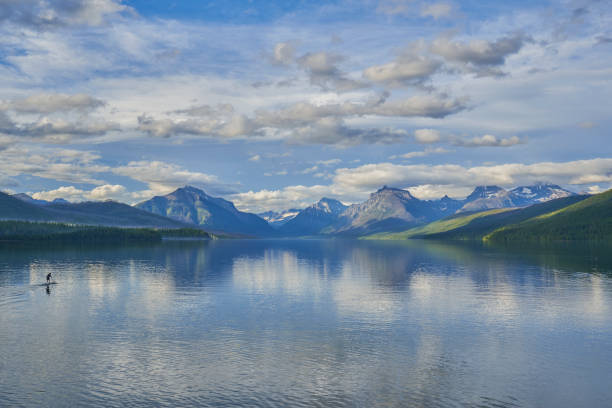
192,205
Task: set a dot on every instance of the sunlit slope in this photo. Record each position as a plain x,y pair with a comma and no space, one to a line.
589,219
446,224
475,226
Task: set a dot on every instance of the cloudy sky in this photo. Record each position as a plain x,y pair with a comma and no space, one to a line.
274,104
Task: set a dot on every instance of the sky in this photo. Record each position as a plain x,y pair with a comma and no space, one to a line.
275,104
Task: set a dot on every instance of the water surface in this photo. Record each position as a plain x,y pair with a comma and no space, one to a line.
306,323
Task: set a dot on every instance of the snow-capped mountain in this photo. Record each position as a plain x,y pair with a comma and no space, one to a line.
278,218
313,219
539,193
489,197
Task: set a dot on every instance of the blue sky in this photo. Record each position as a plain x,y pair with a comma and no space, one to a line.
275,104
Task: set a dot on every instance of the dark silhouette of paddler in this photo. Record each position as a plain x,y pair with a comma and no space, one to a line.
49,278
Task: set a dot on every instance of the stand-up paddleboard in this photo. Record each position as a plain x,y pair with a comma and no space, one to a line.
48,283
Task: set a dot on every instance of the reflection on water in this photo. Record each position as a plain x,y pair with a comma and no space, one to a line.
306,323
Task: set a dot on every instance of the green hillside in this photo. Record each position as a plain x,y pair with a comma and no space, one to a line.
587,220
475,226
446,224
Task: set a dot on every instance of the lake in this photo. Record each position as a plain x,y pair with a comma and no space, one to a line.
306,323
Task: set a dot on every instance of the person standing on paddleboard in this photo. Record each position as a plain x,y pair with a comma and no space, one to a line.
49,277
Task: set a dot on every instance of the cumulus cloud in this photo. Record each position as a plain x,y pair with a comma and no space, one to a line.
284,53
221,127
306,122
55,130
427,136
414,69
479,55
68,165
436,10
303,113
282,199
373,176
53,102
71,193
55,13
423,153
488,141
163,178
57,125
332,131
322,68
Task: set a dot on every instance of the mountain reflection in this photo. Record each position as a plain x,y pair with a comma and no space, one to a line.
312,323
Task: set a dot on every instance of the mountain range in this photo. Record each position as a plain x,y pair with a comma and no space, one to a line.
387,210
108,213
391,209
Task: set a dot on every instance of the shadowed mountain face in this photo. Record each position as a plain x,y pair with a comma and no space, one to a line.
106,213
28,199
313,220
388,209
194,206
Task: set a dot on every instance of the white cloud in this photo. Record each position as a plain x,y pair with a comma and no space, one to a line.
488,141
329,162
163,178
427,135
433,192
372,176
101,193
427,152
310,170
478,54
67,165
279,200
255,158
405,70
322,68
53,102
436,10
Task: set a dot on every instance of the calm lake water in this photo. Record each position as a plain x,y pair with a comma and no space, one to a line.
306,323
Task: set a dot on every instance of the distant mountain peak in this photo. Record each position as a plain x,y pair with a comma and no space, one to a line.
484,192
190,189
385,190
192,205
329,205
540,192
